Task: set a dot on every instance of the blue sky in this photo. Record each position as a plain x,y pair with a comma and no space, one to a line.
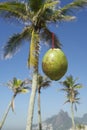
73,36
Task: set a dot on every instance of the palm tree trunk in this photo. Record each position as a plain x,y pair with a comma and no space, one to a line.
73,121
32,101
39,111
6,112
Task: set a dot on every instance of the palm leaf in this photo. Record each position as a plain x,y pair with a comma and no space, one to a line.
24,90
47,9
67,18
35,5
15,81
78,86
46,84
43,81
58,17
77,4
70,81
25,82
15,42
76,93
18,83
41,13
19,86
77,100
49,4
16,9
12,83
65,89
65,84
34,50
67,101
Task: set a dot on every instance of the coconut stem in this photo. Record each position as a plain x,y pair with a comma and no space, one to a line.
52,40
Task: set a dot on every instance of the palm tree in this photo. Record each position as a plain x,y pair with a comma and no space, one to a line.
17,86
43,82
35,19
71,89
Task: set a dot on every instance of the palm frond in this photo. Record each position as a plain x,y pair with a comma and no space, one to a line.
49,4
15,42
67,18
20,89
76,93
58,17
77,100
46,36
67,101
42,12
65,84
63,14
19,86
77,4
43,81
48,9
70,81
65,89
78,86
26,82
24,90
12,83
13,9
46,84
34,50
35,5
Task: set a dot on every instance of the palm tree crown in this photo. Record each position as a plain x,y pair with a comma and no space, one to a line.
43,82
35,19
18,86
71,89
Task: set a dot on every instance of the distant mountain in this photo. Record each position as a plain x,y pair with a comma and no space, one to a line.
61,121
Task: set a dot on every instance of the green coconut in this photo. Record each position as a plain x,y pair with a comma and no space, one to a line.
54,64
